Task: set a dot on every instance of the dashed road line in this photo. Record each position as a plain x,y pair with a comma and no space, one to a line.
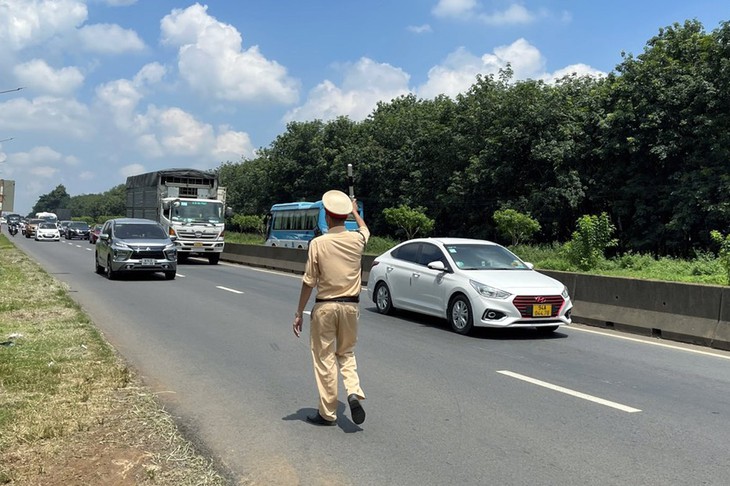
568,391
228,290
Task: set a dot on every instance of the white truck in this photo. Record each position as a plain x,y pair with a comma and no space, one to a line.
188,203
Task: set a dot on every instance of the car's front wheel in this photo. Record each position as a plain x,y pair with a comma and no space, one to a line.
170,275
97,268
459,315
110,273
383,299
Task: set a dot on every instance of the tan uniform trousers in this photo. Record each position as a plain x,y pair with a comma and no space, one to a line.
333,334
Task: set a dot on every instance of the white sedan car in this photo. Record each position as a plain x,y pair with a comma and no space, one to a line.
470,283
47,232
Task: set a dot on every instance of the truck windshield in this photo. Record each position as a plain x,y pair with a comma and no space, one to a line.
198,212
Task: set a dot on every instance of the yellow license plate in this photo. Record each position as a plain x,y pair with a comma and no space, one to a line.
197,243
542,310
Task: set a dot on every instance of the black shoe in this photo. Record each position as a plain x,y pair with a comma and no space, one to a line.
356,410
317,419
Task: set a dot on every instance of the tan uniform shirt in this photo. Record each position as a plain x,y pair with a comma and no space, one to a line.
334,262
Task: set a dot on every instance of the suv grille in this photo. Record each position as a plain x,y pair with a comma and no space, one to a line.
152,253
524,303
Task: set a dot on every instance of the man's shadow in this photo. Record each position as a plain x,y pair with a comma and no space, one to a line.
344,421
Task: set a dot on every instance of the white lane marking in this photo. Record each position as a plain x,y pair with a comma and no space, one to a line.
78,246
228,290
568,391
309,313
645,341
89,249
180,275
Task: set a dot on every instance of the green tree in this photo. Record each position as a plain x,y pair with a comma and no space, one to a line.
57,198
411,221
590,241
516,226
248,223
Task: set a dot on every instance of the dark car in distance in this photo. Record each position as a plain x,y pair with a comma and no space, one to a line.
77,229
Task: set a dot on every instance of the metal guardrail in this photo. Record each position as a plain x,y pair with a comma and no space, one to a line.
698,314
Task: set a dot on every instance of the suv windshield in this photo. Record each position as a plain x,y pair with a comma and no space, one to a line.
137,231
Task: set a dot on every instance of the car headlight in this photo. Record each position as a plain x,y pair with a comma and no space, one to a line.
170,252
487,291
565,293
121,251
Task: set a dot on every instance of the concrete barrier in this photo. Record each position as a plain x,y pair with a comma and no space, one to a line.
698,314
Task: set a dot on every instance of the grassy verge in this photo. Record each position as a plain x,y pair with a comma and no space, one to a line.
71,411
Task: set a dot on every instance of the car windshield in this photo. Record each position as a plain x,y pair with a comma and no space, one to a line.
47,226
198,212
81,225
137,231
484,257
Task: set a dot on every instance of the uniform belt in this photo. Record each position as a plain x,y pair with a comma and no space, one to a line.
354,298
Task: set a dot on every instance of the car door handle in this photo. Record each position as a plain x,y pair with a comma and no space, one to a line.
416,275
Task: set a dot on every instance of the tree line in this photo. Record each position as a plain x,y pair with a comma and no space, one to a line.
648,145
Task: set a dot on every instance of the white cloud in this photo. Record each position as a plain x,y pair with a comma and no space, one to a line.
87,175
131,169
64,116
41,161
459,70
420,29
231,145
574,69
41,77
455,8
109,39
211,60
364,84
120,3
174,132
25,23
471,10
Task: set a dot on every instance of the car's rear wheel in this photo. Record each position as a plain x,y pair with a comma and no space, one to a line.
383,299
459,315
110,274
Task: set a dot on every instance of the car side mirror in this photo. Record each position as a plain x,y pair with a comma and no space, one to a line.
530,265
104,236
229,212
437,265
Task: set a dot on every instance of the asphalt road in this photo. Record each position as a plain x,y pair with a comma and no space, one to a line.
581,407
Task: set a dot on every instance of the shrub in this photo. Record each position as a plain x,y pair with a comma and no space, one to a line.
514,225
724,252
589,242
410,221
247,223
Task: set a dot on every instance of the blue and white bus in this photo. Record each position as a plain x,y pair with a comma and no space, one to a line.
293,225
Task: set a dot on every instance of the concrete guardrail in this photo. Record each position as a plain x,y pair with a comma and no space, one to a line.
698,314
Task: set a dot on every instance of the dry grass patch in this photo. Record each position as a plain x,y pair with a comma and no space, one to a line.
71,412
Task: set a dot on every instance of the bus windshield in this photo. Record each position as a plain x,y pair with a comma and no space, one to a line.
293,225
198,212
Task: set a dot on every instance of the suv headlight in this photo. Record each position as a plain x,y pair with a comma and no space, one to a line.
170,251
121,251
487,291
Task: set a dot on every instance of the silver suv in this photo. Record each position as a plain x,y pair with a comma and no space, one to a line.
134,245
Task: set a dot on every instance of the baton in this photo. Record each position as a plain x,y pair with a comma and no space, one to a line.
351,181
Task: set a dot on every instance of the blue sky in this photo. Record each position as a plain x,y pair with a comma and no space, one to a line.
113,88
